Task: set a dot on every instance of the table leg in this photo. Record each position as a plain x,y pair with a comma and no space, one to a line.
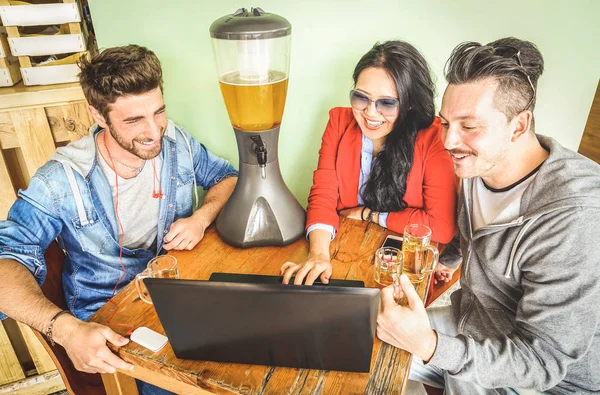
119,384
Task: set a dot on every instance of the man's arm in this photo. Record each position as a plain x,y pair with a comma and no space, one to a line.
30,227
218,177
22,299
215,199
556,318
186,233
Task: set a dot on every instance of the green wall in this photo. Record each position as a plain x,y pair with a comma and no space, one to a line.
328,38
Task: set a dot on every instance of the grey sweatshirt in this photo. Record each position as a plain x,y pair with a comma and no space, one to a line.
529,309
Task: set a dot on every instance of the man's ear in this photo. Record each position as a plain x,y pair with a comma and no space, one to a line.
98,117
521,125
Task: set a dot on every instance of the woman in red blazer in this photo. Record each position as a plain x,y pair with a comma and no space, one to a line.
382,160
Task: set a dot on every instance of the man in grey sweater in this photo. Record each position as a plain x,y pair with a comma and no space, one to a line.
527,316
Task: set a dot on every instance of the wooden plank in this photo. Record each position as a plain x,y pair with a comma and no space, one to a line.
19,347
42,361
8,134
44,384
119,384
19,96
10,368
69,122
5,47
590,141
35,139
7,191
12,157
70,28
15,72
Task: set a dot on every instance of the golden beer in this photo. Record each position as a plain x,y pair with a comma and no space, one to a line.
384,277
415,245
254,107
388,261
415,261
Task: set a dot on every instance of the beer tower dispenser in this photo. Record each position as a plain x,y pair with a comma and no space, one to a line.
252,52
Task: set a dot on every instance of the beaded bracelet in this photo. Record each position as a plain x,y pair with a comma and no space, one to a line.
370,216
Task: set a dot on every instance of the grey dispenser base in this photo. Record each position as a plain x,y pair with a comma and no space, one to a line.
261,210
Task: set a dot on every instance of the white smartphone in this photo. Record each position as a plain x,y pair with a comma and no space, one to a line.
393,241
148,338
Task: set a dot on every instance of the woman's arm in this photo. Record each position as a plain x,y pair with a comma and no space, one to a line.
322,205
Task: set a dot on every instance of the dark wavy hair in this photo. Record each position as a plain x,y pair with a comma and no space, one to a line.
473,62
386,186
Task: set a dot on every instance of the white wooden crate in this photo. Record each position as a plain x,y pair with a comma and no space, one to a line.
46,75
39,14
47,45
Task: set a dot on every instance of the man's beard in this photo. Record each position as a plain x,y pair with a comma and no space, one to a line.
130,147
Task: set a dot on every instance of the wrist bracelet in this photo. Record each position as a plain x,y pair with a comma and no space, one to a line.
49,329
362,213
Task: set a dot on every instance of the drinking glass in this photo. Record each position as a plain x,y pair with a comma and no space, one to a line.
416,243
164,266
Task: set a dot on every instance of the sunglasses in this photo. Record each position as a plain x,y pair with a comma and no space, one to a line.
509,52
388,107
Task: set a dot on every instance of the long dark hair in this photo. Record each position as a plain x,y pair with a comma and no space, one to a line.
386,186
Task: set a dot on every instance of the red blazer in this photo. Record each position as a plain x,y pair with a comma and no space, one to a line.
430,186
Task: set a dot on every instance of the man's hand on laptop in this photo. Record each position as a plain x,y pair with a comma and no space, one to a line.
406,327
85,343
185,233
315,266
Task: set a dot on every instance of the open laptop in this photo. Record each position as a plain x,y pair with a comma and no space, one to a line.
257,320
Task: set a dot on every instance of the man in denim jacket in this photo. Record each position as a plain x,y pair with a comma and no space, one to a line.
129,184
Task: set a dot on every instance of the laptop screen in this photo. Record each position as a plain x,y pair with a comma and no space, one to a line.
314,327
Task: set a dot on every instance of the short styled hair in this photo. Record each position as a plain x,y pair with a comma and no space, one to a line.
511,62
119,71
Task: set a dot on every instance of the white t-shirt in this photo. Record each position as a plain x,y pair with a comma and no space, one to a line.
497,206
138,210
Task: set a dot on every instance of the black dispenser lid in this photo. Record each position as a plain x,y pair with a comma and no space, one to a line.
255,24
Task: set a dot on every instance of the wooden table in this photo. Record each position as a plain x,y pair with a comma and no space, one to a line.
352,258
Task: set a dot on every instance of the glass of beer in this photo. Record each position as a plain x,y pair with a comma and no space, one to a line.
415,246
388,265
164,266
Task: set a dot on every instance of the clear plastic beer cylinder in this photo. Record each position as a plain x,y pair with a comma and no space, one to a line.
253,61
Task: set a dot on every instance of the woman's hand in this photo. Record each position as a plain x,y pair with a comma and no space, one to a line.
314,267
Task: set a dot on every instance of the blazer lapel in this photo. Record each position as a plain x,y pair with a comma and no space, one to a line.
348,164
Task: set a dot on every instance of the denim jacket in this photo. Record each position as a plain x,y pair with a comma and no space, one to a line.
77,208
